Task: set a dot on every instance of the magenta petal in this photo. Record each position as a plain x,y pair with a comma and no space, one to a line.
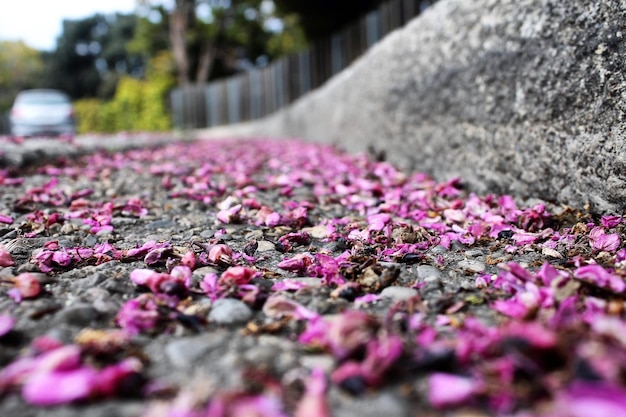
6,219
278,306
367,298
446,390
237,275
112,376
611,221
601,277
59,387
59,359
6,324
61,258
298,263
512,307
288,285
141,276
604,242
548,273
378,221
584,399
5,257
259,405
313,403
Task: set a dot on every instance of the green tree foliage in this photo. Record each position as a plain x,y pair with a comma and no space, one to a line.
138,104
320,18
20,68
92,54
210,39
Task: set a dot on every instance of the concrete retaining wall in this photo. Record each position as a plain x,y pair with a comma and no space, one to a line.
515,96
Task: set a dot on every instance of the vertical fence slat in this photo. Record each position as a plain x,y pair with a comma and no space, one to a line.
304,61
372,28
256,95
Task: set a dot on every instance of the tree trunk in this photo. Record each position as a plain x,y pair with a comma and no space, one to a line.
205,64
179,23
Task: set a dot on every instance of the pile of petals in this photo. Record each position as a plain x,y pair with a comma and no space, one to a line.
557,345
53,373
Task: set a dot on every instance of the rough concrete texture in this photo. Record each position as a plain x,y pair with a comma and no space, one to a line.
515,96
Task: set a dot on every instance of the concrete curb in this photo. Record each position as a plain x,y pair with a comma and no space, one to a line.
526,97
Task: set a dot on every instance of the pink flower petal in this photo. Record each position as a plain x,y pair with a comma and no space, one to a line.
6,219
596,274
313,403
237,275
446,390
59,387
278,306
584,399
5,257
27,285
6,324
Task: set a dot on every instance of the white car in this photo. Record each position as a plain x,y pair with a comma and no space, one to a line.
42,112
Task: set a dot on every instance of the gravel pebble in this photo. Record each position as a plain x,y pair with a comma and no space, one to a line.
42,307
471,265
399,293
230,311
160,224
265,246
78,315
474,253
428,273
184,352
368,405
325,362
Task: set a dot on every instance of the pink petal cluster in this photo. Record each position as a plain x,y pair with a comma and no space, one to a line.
59,376
140,314
54,257
600,240
560,339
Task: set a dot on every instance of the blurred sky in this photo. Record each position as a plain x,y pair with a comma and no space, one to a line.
38,22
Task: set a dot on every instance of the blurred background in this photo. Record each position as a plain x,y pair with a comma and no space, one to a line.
133,65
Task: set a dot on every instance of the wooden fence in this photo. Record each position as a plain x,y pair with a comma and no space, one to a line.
259,92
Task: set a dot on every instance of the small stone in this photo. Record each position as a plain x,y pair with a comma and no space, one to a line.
325,362
474,253
90,241
471,265
42,307
103,232
207,234
455,245
371,405
265,246
184,352
230,311
78,314
428,273
64,243
308,281
316,232
397,293
254,235
88,282
161,224
27,267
